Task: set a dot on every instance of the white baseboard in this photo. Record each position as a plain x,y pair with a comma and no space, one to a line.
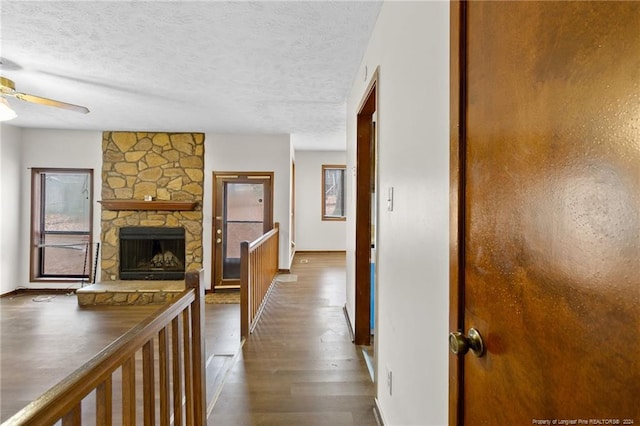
377,412
346,317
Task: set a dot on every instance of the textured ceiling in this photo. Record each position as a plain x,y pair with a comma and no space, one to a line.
202,66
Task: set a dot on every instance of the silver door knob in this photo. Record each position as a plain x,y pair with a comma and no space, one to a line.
461,344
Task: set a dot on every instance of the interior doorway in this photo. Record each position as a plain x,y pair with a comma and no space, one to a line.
293,211
365,214
243,211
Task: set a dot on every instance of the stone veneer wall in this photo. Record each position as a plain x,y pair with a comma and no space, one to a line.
167,166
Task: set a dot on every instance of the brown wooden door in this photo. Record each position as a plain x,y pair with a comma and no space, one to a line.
243,212
547,208
365,188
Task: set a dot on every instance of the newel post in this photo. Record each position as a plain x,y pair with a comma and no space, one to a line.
277,226
194,280
244,289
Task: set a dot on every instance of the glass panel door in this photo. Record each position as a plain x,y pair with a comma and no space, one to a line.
243,220
243,212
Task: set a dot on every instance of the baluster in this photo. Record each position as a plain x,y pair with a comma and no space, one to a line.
74,416
188,385
163,355
176,340
104,410
129,391
148,384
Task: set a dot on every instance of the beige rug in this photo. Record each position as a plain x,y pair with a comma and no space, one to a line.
222,297
287,278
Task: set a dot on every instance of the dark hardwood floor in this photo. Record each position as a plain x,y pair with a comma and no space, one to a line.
45,338
299,367
41,342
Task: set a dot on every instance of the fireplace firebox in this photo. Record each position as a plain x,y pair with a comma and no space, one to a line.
152,253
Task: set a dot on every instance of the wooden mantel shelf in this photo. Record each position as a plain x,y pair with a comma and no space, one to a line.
148,205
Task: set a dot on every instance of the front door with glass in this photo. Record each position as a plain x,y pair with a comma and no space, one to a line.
243,212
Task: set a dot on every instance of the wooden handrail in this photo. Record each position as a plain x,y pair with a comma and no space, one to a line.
258,269
64,400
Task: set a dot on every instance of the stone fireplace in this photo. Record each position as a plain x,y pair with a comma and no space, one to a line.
151,182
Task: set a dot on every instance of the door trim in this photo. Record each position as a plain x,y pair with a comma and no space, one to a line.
364,180
232,176
457,162
292,240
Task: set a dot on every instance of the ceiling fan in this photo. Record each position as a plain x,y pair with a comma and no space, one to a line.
8,89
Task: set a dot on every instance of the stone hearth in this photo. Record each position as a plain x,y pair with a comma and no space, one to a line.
130,293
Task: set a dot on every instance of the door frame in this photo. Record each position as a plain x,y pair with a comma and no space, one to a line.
292,240
457,163
239,177
364,181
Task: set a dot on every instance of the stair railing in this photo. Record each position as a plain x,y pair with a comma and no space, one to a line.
169,343
258,269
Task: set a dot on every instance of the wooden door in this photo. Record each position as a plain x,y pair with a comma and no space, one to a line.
546,212
243,212
365,187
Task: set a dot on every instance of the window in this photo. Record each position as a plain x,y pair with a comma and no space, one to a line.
333,205
61,224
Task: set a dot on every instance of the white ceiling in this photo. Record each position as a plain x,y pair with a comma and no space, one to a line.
197,66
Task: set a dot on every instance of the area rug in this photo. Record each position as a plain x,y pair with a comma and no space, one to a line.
222,297
287,278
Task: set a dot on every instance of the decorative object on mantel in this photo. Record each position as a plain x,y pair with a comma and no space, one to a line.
148,205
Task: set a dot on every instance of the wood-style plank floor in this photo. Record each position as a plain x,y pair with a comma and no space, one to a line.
299,367
45,338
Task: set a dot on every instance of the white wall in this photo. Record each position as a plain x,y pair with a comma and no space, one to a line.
256,153
10,214
23,149
313,233
410,44
55,149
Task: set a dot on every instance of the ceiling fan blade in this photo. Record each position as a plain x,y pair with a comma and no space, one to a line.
50,102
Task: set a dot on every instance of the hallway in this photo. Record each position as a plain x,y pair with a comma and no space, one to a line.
300,366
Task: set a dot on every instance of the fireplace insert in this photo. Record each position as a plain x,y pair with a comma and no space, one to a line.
152,253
